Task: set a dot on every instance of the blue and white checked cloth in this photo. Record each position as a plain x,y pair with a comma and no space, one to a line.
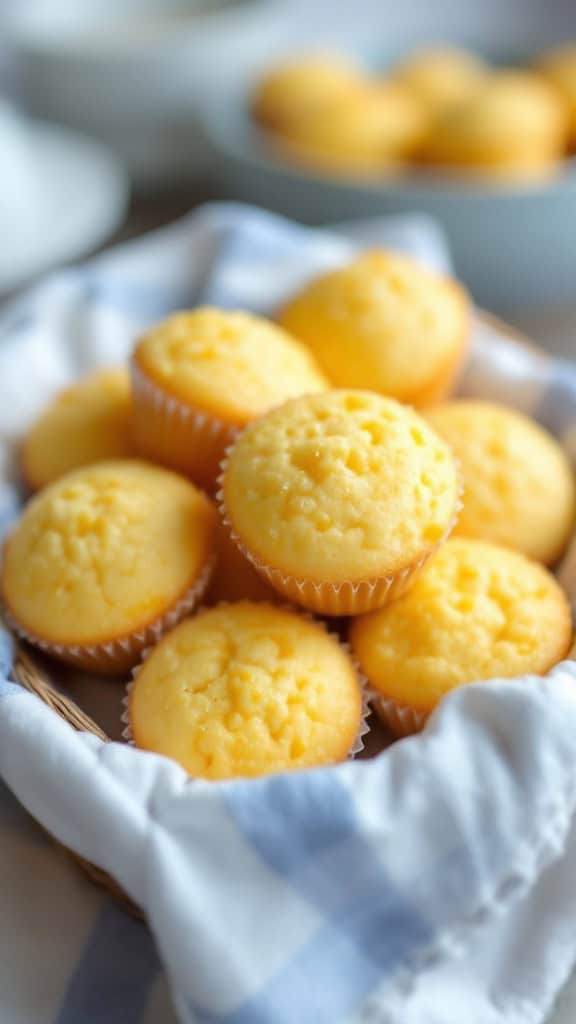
432,885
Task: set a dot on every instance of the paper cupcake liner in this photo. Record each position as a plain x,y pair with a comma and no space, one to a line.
335,599
117,656
181,437
366,695
400,719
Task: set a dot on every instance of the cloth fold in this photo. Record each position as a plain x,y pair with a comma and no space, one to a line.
431,885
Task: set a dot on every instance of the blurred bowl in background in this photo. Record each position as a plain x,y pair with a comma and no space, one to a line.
61,196
22,191
515,246
132,72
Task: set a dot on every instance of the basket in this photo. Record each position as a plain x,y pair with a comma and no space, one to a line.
30,674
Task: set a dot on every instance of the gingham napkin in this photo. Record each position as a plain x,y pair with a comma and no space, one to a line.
431,885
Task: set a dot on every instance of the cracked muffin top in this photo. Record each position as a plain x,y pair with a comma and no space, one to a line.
245,689
345,485
105,551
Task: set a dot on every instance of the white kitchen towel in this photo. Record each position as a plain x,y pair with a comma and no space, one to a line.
431,885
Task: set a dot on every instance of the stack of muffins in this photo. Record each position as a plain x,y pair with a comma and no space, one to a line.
437,108
255,523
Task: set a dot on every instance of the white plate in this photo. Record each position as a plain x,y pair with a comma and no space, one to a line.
84,198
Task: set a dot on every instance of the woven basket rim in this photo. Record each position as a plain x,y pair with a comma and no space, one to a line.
33,677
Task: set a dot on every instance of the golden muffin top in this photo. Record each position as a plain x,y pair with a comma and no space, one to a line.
515,114
559,67
342,485
232,365
371,126
476,611
519,487
105,551
382,322
302,85
85,423
245,689
441,76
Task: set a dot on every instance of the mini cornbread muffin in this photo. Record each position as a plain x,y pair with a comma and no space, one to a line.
234,577
302,86
441,77
105,559
384,323
246,689
513,128
201,375
368,130
519,488
559,67
477,611
340,498
87,422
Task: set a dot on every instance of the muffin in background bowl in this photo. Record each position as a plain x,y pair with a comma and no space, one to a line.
513,128
301,86
441,77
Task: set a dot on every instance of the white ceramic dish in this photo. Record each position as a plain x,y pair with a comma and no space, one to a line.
81,198
514,246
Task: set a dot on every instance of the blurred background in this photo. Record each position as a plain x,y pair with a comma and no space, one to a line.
118,116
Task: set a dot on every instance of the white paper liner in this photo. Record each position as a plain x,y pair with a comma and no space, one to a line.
177,425
401,719
337,599
366,694
126,650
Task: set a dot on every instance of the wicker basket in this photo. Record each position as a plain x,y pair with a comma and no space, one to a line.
30,674
34,678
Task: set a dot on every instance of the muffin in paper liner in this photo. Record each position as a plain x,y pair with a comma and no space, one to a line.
335,599
168,431
366,694
120,654
348,596
461,624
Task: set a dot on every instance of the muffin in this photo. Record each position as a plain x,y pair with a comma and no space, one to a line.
477,611
441,77
386,324
234,577
302,86
339,498
201,375
559,68
519,488
372,130
513,128
105,559
246,689
86,423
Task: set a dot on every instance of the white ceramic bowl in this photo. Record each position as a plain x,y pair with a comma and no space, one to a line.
514,246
